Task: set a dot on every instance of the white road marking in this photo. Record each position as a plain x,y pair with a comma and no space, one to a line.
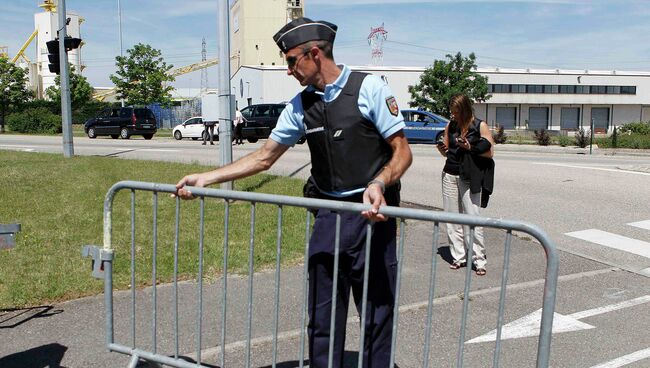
641,224
157,150
614,241
529,325
610,308
625,359
593,168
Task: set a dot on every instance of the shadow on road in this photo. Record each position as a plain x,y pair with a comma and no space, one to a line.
10,318
49,356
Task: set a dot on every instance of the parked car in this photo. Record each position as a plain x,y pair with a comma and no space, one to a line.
193,128
423,126
122,122
259,120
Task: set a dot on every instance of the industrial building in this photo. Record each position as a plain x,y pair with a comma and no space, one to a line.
46,24
521,98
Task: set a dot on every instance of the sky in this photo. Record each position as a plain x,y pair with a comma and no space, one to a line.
536,34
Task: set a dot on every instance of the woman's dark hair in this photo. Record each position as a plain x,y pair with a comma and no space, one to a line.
463,105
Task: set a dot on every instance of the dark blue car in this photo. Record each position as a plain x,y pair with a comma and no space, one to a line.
423,126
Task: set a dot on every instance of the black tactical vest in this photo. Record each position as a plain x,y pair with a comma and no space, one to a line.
346,149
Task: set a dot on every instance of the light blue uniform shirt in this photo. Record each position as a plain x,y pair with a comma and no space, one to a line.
374,99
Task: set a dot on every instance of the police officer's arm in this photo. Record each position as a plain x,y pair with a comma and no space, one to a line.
392,172
251,164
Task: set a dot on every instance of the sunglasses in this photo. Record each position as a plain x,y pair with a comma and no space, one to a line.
293,60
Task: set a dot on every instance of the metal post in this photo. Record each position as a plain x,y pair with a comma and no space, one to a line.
66,115
591,141
225,98
119,26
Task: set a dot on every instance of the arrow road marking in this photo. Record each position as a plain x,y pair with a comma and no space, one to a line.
625,359
641,224
529,325
615,241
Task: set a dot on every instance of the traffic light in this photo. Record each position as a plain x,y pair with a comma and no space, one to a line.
70,43
53,56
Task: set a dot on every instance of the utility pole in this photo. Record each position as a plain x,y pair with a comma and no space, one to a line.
226,100
119,25
66,115
204,71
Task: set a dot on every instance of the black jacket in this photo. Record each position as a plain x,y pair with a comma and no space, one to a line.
478,170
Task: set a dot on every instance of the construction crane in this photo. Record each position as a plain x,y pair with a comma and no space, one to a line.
101,96
47,5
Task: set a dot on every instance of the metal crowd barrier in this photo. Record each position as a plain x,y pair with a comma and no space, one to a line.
103,262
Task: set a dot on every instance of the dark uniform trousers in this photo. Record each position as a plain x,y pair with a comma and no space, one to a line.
381,287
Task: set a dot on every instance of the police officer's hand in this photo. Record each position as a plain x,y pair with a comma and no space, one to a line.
374,197
195,180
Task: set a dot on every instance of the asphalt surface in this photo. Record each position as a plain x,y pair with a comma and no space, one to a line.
71,334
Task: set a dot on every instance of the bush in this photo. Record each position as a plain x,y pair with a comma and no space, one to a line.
542,137
636,141
582,138
89,110
563,140
642,128
34,120
499,136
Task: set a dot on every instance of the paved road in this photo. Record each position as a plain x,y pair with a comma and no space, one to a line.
603,295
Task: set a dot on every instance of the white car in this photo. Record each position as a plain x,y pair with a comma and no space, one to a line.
192,128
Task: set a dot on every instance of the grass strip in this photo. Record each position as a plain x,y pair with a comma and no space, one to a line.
59,204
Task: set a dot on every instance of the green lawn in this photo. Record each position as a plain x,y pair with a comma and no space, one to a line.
59,203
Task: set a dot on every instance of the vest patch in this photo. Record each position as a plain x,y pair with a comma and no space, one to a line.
392,105
314,130
338,134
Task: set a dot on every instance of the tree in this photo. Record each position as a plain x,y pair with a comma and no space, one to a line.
141,76
80,90
445,79
13,89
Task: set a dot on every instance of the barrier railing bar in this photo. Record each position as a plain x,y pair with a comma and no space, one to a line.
335,206
224,298
251,253
133,268
400,257
502,298
548,307
432,283
199,315
364,298
469,255
176,237
276,316
153,273
150,357
335,278
305,292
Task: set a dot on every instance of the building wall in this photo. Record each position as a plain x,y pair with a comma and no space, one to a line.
271,84
252,24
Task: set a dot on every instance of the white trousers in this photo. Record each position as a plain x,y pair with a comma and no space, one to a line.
456,197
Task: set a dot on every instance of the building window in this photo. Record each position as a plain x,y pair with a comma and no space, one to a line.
501,88
568,89
613,90
534,88
551,88
598,90
518,88
582,89
628,90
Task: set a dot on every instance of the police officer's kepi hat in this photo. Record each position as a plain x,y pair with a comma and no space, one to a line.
301,30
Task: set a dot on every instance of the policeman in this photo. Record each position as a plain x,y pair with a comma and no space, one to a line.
358,154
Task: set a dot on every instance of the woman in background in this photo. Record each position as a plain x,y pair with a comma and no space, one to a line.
466,177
